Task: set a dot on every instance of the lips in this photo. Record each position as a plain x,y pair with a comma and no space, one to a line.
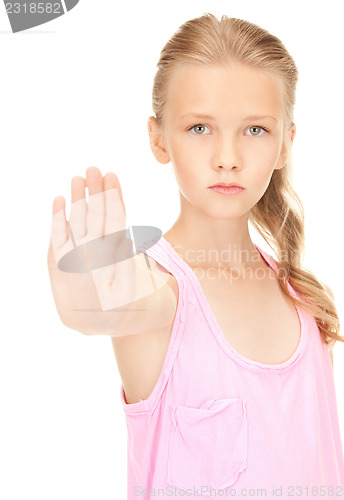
224,184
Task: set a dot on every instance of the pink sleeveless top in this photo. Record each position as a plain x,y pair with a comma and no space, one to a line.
218,424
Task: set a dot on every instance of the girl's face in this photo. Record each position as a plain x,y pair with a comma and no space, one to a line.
222,124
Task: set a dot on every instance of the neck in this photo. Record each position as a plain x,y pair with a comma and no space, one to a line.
204,242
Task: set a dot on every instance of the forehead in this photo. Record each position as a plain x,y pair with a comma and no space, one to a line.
233,90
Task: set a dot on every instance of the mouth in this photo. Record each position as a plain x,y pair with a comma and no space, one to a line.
227,189
225,185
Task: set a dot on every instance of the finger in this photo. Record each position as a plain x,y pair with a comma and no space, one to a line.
59,230
78,210
112,181
59,203
96,204
115,216
78,186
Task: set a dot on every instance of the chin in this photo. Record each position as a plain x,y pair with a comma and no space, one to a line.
218,214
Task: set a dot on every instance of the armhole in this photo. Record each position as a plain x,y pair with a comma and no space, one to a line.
149,404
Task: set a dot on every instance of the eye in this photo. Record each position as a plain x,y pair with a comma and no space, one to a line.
198,126
255,127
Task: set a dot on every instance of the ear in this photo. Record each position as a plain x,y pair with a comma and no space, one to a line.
284,150
157,141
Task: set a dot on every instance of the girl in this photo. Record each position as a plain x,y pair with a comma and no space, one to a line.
226,369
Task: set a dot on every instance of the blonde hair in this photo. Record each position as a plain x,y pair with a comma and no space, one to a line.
279,215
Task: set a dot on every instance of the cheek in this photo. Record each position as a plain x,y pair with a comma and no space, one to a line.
260,175
187,175
185,151
187,162
179,155
264,162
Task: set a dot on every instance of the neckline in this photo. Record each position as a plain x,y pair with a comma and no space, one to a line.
228,348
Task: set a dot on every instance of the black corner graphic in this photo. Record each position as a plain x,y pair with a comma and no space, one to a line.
70,4
25,14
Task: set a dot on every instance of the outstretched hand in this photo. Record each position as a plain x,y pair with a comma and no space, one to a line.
94,275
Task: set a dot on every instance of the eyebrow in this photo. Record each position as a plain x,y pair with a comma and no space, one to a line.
209,117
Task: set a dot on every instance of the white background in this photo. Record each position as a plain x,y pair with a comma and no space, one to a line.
76,92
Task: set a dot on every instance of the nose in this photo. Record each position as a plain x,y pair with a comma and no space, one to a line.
227,153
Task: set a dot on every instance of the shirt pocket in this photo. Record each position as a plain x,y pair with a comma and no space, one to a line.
208,445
